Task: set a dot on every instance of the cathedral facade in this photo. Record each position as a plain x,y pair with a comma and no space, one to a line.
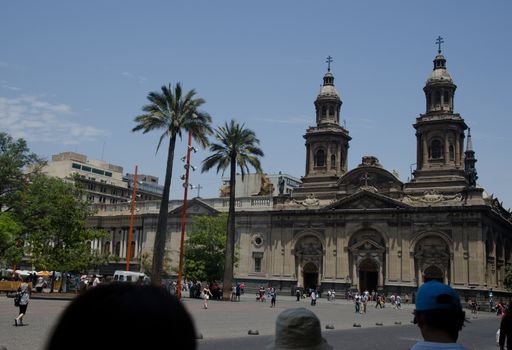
363,228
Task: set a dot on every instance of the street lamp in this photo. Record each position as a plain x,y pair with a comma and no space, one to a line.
184,212
130,232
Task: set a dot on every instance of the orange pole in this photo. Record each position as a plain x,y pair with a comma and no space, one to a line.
130,232
184,216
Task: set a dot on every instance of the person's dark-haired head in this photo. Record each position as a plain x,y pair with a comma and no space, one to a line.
438,312
123,316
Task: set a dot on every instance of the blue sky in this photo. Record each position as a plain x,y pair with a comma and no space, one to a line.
73,75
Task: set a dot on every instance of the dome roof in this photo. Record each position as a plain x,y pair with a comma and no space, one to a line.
328,90
439,74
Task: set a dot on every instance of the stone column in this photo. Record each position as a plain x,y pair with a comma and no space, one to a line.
425,150
458,151
446,150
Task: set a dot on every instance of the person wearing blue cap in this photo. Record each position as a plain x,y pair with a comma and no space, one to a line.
439,316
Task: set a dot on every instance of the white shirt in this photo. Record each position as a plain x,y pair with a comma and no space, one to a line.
95,282
428,345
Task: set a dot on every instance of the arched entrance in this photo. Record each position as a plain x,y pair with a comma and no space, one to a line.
367,260
308,261
432,259
310,276
433,273
368,275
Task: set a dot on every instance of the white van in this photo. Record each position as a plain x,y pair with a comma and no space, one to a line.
130,276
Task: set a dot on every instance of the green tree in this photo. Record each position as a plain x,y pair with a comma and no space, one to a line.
10,243
237,146
507,281
173,112
205,248
16,163
54,219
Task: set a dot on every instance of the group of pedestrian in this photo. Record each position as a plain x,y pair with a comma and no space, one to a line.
438,314
236,290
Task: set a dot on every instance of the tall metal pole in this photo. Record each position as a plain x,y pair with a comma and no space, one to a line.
129,248
184,215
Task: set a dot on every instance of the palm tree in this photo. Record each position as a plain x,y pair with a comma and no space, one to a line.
172,112
237,146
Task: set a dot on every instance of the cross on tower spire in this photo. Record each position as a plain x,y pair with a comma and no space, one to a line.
439,41
328,61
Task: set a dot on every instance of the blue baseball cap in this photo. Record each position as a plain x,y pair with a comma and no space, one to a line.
435,295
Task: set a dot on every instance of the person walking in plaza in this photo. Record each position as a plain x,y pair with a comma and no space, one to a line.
439,316
273,295
127,315
298,328
206,294
22,297
506,330
298,293
313,297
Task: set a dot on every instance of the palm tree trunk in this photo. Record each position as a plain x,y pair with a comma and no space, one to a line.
230,237
161,228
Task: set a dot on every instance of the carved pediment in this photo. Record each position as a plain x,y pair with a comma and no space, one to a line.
367,245
372,177
365,199
195,206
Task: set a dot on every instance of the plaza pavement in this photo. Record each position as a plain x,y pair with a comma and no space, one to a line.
222,320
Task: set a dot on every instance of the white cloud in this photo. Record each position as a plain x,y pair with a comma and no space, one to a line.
140,79
13,88
36,120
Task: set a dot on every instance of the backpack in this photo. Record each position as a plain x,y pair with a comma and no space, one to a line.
17,299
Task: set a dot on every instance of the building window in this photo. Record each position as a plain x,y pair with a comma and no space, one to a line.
106,248
320,158
333,161
436,149
257,256
446,98
108,173
98,171
118,249
132,249
257,264
437,100
86,168
324,111
331,111
75,166
452,152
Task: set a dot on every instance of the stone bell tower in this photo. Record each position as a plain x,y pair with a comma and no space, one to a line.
439,135
326,143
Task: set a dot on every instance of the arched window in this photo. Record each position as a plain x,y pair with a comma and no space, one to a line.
320,158
324,111
341,161
132,249
447,98
331,111
106,248
451,150
118,249
333,161
436,149
437,101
